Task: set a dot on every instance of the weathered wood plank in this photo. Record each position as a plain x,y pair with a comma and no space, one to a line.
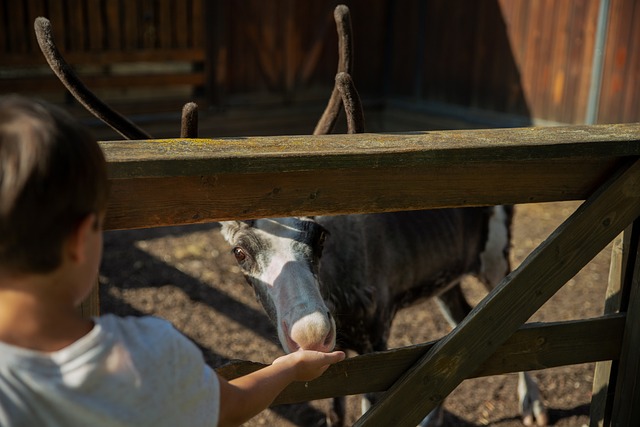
59,16
626,411
34,8
113,26
96,30
18,38
148,30
172,157
166,24
182,24
533,346
131,24
77,30
620,94
153,202
601,391
594,224
200,13
617,300
166,182
4,33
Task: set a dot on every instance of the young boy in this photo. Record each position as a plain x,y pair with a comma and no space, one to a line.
60,369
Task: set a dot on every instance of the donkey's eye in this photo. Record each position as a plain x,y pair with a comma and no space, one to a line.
239,253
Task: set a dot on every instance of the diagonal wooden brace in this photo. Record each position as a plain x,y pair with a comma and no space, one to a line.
595,223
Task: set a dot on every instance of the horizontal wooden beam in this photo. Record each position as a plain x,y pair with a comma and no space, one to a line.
178,181
533,346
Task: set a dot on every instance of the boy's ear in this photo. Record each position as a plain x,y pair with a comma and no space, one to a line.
77,241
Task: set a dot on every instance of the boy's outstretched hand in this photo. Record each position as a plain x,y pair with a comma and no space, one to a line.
244,397
308,365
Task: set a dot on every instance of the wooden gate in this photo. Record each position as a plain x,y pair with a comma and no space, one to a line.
180,181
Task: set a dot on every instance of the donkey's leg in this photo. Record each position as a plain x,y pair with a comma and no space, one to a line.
455,307
369,399
530,401
435,417
532,408
495,265
336,416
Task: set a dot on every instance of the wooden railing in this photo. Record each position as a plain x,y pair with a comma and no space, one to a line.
167,182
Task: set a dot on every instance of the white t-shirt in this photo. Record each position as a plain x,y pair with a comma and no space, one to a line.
125,372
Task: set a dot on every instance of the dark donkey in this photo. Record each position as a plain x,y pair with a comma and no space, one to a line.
339,281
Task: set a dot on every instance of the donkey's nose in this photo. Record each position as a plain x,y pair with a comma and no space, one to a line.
315,331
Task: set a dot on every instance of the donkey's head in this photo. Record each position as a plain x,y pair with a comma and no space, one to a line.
279,258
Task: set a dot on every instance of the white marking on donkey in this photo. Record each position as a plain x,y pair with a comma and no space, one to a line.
341,279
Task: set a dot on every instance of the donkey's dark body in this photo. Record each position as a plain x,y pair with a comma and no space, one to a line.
379,263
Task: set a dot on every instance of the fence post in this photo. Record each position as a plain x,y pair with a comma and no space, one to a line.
617,299
626,399
603,381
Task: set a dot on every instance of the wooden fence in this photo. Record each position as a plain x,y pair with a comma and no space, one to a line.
179,181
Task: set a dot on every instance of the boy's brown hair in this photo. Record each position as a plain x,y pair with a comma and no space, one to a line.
52,175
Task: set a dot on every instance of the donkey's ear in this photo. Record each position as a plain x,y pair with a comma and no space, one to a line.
229,229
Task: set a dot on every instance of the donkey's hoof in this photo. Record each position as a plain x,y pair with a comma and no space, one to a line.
534,413
434,419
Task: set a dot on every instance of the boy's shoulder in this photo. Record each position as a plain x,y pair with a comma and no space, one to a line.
145,330
150,337
113,321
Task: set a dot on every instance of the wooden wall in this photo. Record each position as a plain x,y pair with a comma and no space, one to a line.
455,51
88,29
271,49
620,96
552,45
526,58
523,57
287,49
102,39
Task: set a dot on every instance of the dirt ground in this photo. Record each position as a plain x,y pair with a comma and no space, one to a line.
188,276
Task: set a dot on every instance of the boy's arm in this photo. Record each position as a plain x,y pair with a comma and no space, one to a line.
246,396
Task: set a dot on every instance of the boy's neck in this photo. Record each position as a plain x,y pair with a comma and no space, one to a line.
31,317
